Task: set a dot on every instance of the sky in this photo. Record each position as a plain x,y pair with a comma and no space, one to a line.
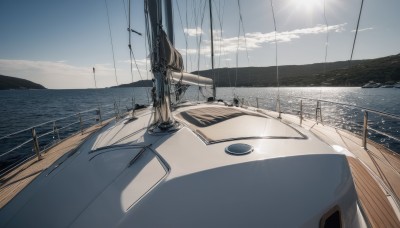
57,43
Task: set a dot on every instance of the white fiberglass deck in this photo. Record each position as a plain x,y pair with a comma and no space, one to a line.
131,177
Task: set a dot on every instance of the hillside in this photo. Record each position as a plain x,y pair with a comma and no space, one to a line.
141,83
380,70
337,74
7,82
386,69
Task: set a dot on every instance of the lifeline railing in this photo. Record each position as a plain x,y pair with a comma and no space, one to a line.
18,146
367,125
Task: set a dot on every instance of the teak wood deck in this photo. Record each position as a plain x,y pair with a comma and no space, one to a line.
12,183
375,197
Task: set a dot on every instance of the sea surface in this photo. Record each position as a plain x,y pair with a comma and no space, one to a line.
22,109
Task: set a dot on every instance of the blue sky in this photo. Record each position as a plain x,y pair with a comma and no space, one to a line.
56,43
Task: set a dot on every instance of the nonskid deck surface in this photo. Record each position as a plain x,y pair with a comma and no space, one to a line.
381,163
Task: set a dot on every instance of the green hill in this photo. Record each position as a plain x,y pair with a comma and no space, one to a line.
7,82
141,83
337,74
342,73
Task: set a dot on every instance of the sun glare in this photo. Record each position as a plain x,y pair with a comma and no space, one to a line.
306,4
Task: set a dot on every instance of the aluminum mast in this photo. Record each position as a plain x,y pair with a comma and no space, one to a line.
162,102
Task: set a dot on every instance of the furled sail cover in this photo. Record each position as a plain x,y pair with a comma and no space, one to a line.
191,79
169,54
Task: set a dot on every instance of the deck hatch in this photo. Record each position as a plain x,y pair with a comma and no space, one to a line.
221,124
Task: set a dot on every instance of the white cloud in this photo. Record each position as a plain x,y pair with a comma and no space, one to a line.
193,31
61,74
257,39
140,62
362,30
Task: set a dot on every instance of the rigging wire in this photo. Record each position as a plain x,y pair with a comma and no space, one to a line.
244,32
326,44
221,47
241,28
97,95
147,70
327,37
195,20
221,41
212,50
126,14
186,20
355,36
237,60
147,29
146,62
116,106
199,46
187,26
146,58
131,54
111,40
150,46
276,60
183,30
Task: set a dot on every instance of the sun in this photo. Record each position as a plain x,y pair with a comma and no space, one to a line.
306,4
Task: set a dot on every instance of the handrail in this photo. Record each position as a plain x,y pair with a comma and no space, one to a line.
385,134
83,118
68,125
365,126
41,124
15,165
354,106
19,146
318,115
55,120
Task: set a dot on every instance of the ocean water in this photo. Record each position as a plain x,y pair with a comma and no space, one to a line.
22,109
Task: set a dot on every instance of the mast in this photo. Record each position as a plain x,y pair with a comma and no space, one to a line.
162,102
212,50
169,20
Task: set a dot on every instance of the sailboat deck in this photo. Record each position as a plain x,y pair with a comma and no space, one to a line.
12,183
376,205
382,164
375,199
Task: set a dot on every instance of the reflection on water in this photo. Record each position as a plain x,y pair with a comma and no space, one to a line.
24,108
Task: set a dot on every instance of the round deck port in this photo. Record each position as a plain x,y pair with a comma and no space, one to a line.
239,149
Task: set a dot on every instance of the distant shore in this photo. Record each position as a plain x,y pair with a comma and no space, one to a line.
384,70
12,83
